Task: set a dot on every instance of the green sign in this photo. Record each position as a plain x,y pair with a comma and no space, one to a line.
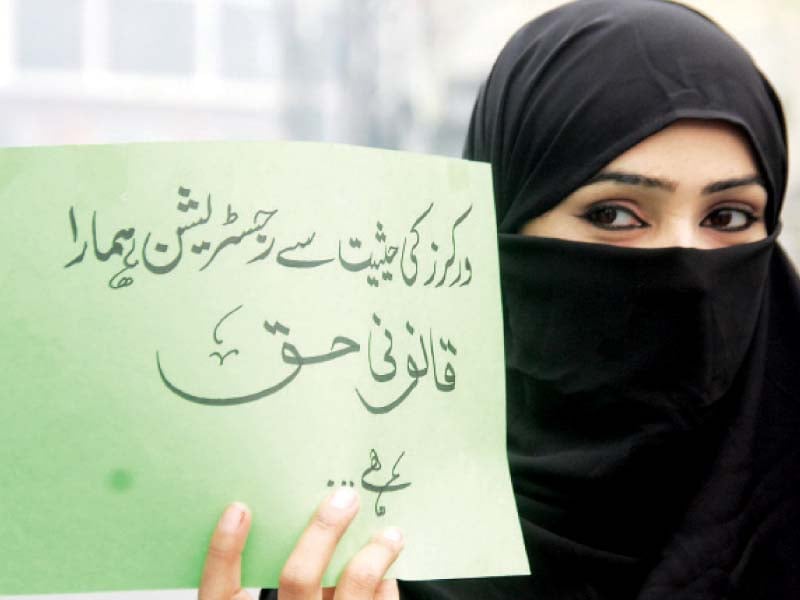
188,324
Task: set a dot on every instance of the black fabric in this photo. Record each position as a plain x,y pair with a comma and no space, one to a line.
653,396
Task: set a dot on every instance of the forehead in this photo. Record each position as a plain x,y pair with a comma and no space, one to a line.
691,150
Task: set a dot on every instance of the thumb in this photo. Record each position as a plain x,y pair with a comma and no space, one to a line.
222,572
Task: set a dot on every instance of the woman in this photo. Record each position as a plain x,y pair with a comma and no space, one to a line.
652,321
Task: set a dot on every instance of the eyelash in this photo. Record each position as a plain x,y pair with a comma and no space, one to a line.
749,218
592,213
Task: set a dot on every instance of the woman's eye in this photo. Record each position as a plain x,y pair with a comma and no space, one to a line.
613,217
729,219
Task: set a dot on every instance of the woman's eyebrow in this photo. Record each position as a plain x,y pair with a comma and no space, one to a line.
633,179
726,184
671,186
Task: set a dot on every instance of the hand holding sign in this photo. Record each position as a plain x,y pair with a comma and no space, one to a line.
301,578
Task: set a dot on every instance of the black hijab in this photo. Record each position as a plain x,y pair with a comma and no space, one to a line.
653,396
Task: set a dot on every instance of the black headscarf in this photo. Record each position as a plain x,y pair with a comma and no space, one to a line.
653,395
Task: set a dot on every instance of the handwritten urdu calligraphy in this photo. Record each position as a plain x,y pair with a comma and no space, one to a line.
382,369
383,262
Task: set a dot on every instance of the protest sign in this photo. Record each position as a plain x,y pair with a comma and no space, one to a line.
188,324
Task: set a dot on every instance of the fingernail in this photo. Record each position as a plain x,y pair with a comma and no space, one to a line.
393,534
232,517
343,497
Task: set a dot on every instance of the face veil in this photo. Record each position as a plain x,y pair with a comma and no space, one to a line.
653,396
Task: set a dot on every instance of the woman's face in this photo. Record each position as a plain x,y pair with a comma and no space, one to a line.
693,184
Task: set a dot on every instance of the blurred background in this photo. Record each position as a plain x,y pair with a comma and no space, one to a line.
386,73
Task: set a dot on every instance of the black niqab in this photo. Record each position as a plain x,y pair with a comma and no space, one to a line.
653,395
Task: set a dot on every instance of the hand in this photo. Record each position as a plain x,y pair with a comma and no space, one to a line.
302,575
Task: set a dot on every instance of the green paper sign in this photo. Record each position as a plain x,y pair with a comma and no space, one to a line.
188,324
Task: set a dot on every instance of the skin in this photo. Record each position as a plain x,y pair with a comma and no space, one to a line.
694,184
363,578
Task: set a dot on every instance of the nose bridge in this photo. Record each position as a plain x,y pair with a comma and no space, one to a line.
680,231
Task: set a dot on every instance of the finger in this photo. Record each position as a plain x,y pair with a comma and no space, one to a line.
302,575
222,572
388,590
364,573
327,593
